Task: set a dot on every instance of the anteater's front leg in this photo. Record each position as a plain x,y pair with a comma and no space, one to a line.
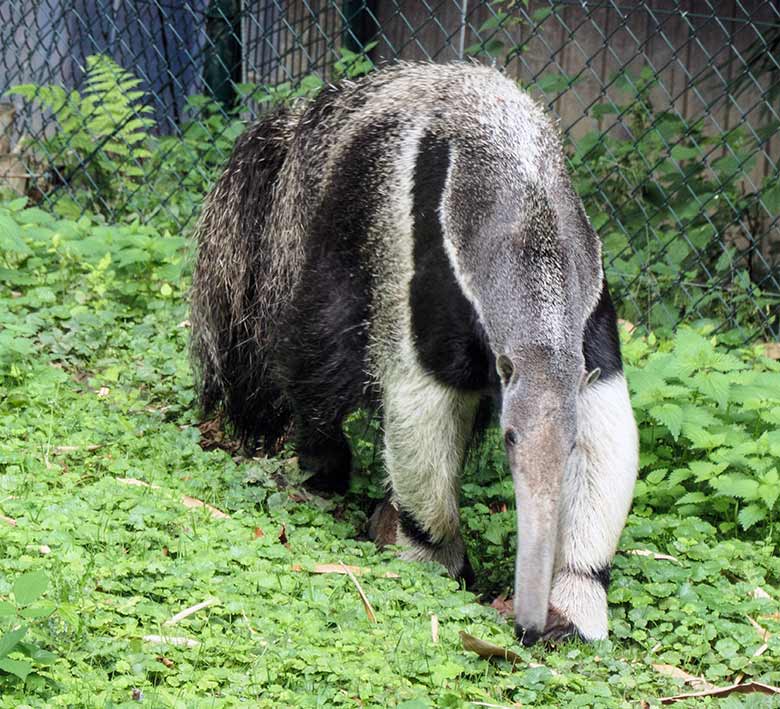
427,429
597,487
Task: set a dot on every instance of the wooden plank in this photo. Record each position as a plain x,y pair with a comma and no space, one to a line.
418,32
751,20
583,59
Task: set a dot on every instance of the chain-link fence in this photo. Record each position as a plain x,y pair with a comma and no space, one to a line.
670,110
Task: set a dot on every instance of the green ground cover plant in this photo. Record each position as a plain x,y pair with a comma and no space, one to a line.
118,511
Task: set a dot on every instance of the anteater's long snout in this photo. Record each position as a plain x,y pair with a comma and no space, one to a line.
539,432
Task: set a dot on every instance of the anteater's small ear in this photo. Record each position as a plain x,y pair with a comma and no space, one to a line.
590,377
505,369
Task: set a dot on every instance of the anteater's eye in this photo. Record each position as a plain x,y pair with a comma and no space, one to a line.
505,368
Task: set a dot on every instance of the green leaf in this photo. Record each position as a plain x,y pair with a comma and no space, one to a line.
9,640
736,486
681,152
670,415
11,237
656,476
7,609
20,668
769,488
714,386
553,83
540,15
692,498
750,515
30,586
771,198
39,610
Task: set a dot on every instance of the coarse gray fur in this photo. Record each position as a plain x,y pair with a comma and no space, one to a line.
522,252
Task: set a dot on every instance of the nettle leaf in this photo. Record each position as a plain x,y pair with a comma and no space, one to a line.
736,486
770,416
702,439
656,476
705,469
751,514
769,488
678,476
698,417
30,587
713,385
670,415
692,498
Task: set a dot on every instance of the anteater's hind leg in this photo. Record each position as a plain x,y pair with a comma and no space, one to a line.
427,430
323,366
324,451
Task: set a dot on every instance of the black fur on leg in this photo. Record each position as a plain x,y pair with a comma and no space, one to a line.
328,457
467,575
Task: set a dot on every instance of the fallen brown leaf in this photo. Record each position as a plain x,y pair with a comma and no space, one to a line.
629,326
193,502
505,606
258,532
696,682
486,649
771,349
213,436
366,603
283,534
168,663
383,524
747,688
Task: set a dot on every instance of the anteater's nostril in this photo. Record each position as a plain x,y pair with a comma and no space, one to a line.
510,437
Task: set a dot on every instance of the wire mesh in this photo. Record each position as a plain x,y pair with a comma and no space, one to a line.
670,110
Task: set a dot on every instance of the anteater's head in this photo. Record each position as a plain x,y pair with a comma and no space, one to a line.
538,274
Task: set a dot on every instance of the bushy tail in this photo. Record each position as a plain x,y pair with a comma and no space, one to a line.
233,301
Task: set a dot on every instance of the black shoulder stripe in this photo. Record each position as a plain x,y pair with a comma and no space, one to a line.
450,342
601,342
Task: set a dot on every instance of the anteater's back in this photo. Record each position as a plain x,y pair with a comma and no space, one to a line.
319,197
